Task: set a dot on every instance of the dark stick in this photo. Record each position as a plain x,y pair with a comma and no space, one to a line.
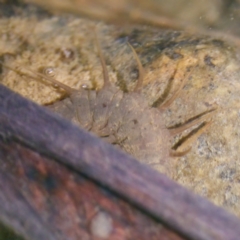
187,214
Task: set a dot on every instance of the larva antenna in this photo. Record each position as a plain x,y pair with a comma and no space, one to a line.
68,89
37,75
140,69
103,63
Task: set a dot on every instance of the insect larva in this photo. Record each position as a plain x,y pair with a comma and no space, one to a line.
126,119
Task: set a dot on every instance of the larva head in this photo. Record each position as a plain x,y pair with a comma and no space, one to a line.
92,108
82,101
106,102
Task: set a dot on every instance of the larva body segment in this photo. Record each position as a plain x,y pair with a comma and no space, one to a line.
142,129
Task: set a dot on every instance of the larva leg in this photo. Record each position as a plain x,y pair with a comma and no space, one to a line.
175,95
175,153
112,139
192,137
140,69
103,63
197,120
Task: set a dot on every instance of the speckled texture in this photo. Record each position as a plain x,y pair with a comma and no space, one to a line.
44,46
212,168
